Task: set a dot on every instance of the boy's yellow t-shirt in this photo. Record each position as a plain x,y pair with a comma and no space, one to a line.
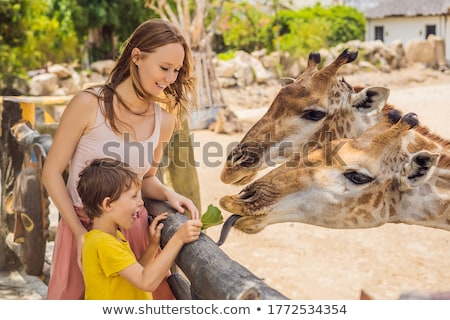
103,257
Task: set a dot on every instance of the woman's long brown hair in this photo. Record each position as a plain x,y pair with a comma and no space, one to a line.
179,98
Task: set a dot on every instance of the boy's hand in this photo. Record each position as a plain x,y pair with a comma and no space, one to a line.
155,228
189,231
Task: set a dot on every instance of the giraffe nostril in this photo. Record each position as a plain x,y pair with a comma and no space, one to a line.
250,161
244,157
235,158
247,194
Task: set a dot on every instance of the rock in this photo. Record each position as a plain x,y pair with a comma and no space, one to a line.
44,84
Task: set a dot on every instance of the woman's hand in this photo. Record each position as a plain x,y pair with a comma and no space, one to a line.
181,203
80,243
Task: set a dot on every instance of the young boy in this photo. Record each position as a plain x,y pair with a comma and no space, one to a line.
110,192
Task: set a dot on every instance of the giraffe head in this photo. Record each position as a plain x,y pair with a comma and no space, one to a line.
308,110
350,183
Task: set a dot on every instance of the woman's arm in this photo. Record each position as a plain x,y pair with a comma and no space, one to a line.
152,187
76,117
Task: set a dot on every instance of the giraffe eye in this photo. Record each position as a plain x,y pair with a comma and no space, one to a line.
357,177
314,115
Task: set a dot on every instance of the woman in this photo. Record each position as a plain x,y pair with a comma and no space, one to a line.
121,119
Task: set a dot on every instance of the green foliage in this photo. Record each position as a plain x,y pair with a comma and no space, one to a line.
111,20
242,26
53,38
313,28
306,37
36,32
228,55
14,22
17,42
347,24
36,35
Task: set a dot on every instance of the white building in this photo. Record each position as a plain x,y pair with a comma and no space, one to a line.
390,20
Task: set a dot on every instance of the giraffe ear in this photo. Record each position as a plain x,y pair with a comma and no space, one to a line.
370,99
286,80
420,168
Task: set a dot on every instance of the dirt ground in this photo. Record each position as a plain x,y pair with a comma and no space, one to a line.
308,262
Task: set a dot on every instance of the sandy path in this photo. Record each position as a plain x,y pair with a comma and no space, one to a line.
308,262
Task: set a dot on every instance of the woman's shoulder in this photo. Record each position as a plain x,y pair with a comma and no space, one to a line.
82,105
85,98
79,114
166,117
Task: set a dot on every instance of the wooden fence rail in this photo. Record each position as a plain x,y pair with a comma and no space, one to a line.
211,273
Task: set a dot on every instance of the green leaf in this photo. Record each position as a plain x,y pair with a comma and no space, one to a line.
212,217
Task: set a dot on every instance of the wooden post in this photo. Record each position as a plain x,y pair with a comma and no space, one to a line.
212,274
10,166
181,172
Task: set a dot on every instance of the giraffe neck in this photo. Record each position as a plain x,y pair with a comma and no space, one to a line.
344,124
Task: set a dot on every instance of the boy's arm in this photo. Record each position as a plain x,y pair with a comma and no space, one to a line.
154,233
149,254
149,276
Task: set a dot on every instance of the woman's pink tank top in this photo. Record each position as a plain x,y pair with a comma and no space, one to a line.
102,142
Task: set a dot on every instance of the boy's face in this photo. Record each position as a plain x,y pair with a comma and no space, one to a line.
126,207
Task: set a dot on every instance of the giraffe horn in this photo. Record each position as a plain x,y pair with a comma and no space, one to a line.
313,61
345,57
407,122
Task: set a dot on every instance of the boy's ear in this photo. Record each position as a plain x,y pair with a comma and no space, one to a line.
106,204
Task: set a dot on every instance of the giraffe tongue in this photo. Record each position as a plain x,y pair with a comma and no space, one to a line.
228,224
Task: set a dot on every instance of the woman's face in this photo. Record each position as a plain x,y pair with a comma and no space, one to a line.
160,68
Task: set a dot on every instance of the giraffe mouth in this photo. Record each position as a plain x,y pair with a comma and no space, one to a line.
241,178
251,208
243,163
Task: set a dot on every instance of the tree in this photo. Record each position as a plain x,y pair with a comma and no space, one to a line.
32,34
191,17
312,28
102,24
243,26
16,17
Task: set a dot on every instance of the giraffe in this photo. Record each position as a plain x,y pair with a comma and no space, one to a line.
390,174
307,111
